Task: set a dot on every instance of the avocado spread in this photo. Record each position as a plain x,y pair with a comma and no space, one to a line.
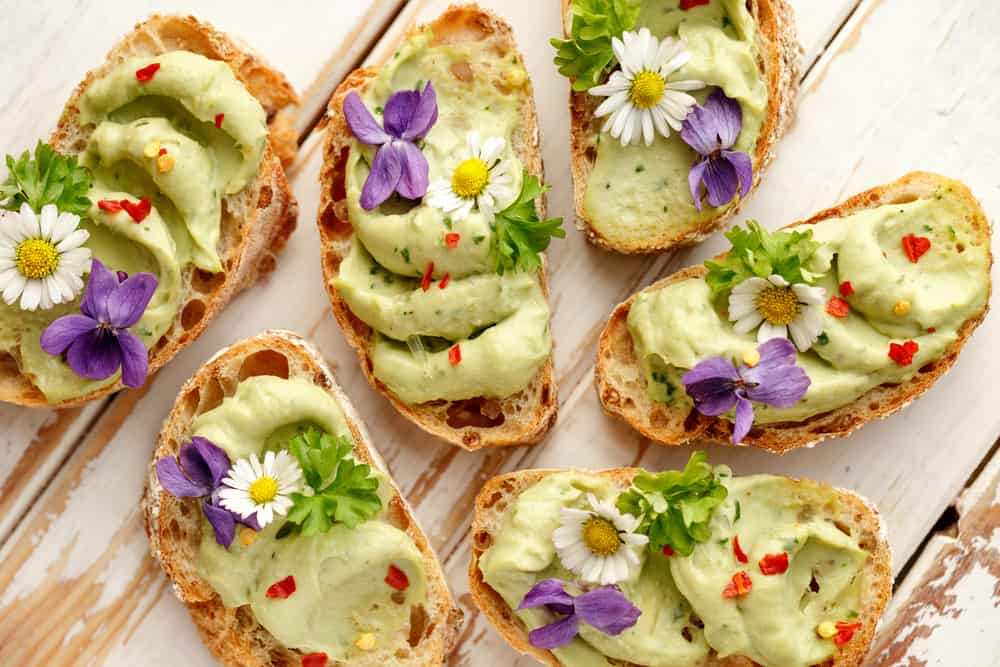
339,575
894,299
500,323
639,191
175,111
684,612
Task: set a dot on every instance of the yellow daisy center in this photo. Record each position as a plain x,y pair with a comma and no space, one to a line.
601,536
470,178
647,89
263,490
778,305
36,258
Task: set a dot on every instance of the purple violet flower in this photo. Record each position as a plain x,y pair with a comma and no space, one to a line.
399,166
97,342
716,385
198,474
712,130
605,608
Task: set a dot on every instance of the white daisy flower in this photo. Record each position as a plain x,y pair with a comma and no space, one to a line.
779,309
481,180
41,258
599,546
252,487
640,99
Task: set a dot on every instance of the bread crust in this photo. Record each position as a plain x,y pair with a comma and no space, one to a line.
779,63
233,635
527,415
621,385
257,221
854,511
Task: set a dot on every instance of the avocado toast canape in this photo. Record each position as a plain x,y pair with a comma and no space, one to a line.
279,526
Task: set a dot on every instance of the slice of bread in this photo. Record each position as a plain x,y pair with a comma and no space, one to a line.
853,514
778,50
256,222
174,525
621,384
473,423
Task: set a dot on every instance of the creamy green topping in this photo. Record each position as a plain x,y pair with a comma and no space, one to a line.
340,592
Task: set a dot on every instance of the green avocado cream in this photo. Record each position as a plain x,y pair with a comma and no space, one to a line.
639,191
684,614
894,300
340,592
499,322
175,111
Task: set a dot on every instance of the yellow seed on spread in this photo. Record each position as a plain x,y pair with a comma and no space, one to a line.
751,357
514,77
826,629
247,536
366,641
165,163
152,149
902,307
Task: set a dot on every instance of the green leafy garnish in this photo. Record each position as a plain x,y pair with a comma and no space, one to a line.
587,53
48,178
758,252
520,235
675,506
345,491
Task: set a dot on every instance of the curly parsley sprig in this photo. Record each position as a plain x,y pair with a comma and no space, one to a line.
48,178
757,252
520,235
587,53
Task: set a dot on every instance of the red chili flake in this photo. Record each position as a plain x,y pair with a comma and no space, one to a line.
903,354
845,631
914,246
218,119
455,355
451,239
397,578
425,282
838,307
282,589
846,288
163,151
738,551
315,660
688,4
773,564
444,281
931,329
109,205
668,550
139,210
739,586
147,73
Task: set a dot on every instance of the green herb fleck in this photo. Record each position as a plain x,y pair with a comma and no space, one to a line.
520,235
951,232
447,223
928,228
478,238
823,339
757,252
739,511
405,252
379,109
639,168
587,53
48,178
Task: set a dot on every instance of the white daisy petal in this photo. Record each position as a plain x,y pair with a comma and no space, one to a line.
809,294
775,279
32,295
767,331
748,322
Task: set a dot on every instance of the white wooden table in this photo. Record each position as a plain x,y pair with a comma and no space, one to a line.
889,86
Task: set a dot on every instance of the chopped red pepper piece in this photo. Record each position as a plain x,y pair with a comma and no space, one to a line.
315,660
451,239
444,281
738,551
845,632
838,307
931,329
455,355
282,589
903,354
914,246
109,205
397,578
688,4
846,288
668,550
425,282
163,151
139,210
147,73
772,564
218,119
739,586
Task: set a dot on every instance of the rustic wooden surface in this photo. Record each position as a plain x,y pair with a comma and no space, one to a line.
890,86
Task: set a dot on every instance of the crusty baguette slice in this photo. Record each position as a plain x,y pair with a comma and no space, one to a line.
174,525
621,384
475,423
853,513
256,222
779,53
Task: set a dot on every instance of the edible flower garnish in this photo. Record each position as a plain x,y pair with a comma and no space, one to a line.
588,52
640,99
772,564
261,489
281,590
598,545
605,608
198,474
717,385
97,342
757,252
712,130
902,354
42,258
778,310
399,166
480,180
675,506
740,585
915,246
520,237
46,178
397,579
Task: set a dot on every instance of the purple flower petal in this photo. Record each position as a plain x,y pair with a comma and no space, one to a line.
545,592
721,182
383,177
61,333
249,522
172,478
744,419
607,609
712,385
101,283
699,133
134,359
775,379
362,123
211,459
95,355
713,367
425,115
414,176
127,303
223,522
694,181
555,635
725,116
399,109
744,169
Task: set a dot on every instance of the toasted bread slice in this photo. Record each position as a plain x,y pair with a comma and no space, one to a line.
853,513
779,51
256,222
473,423
174,525
621,384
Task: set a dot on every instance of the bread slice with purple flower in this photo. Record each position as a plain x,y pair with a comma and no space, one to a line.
808,332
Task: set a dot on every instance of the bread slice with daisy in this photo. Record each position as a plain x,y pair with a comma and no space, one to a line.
676,109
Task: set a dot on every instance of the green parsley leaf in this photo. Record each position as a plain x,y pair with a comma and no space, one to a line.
675,506
587,53
48,178
520,235
758,252
345,491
